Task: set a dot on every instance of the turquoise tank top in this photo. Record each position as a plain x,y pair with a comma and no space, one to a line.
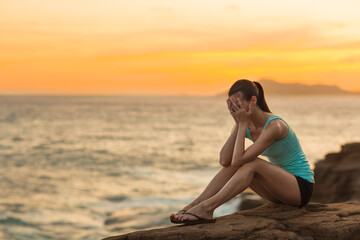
287,153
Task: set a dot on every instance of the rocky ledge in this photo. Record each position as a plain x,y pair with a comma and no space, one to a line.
269,221
337,177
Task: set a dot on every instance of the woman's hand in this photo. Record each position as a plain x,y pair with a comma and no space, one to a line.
232,110
241,114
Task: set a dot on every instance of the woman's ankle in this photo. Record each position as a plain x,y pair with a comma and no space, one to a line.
192,204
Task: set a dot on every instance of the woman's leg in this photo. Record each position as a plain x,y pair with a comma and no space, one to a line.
280,183
221,178
218,181
262,191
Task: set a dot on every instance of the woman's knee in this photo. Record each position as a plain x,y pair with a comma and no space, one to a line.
256,164
228,170
252,167
248,167
253,164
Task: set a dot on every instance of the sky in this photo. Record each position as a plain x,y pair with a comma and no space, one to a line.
168,47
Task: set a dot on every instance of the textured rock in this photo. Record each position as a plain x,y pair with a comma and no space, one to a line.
337,177
250,200
270,221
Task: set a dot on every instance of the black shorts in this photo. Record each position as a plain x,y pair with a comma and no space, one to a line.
306,189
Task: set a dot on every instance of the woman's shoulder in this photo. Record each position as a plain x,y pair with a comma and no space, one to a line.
280,126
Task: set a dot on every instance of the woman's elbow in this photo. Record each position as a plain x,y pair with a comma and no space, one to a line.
224,160
224,163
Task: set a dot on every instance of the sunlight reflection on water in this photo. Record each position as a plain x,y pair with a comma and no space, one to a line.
70,164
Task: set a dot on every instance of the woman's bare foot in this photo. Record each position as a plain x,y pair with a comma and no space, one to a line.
200,210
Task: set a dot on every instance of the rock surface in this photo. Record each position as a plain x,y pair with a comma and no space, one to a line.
270,221
337,177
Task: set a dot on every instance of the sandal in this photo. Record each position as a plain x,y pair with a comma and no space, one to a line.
174,220
200,220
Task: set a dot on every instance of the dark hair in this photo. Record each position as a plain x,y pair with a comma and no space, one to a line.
249,89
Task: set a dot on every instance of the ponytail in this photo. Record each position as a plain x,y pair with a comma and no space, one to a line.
261,98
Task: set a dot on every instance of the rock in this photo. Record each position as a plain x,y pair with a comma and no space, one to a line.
337,177
270,221
250,200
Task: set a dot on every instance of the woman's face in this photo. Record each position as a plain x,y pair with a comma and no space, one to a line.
239,95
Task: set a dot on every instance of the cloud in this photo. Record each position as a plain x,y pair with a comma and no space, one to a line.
161,9
335,25
231,8
350,59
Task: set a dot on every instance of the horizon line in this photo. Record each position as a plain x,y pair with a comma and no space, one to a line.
161,95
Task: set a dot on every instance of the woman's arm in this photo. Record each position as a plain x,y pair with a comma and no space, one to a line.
239,149
226,152
266,138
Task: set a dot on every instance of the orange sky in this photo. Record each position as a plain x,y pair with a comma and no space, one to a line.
174,47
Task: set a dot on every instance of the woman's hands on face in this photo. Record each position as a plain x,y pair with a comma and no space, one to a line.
232,110
240,113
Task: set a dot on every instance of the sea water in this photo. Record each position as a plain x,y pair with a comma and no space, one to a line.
86,167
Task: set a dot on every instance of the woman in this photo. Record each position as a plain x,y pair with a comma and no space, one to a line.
286,179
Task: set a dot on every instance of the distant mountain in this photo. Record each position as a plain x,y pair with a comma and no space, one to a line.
272,87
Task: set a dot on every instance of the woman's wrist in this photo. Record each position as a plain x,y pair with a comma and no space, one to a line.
244,123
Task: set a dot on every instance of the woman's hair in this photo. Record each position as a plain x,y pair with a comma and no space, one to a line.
249,89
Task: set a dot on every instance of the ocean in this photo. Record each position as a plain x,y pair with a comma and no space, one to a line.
87,167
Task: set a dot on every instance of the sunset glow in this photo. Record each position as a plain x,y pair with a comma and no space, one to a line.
158,47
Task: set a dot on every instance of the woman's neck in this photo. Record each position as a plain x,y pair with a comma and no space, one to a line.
259,118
